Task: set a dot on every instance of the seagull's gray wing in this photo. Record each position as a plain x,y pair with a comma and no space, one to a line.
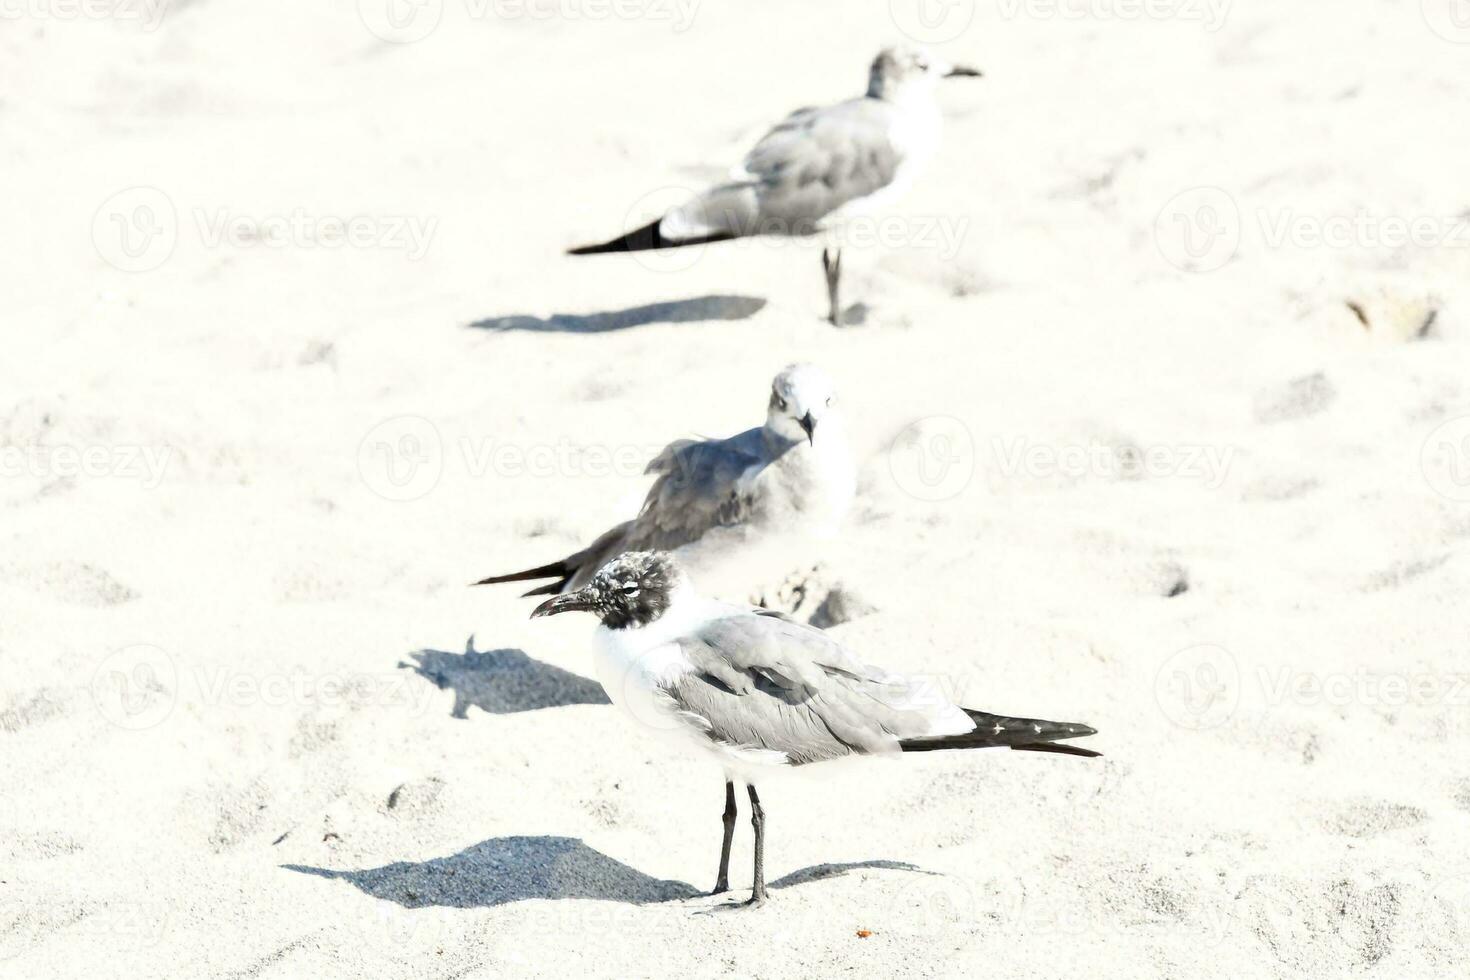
699,487
817,160
767,683
811,164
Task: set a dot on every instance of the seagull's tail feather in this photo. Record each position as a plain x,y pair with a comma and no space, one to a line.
719,214
646,239
573,570
1019,734
562,570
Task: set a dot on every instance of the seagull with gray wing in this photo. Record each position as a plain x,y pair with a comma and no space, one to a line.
758,693
818,168
754,505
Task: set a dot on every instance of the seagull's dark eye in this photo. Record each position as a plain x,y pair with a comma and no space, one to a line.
780,402
829,403
630,589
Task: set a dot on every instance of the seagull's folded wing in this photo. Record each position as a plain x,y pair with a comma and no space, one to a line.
770,684
818,160
700,486
808,166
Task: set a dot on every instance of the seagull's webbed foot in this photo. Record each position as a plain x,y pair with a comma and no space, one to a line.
749,903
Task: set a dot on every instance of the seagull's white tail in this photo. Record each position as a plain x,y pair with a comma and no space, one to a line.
646,239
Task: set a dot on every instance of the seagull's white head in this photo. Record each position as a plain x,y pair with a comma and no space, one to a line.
633,589
904,68
802,396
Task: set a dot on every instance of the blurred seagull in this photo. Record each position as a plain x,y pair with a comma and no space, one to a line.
767,492
818,168
759,693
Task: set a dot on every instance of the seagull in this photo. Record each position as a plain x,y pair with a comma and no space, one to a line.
818,167
759,693
768,495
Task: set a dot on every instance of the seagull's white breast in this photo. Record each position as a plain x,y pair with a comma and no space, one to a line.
632,664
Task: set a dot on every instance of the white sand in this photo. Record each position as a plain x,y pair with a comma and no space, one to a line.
242,730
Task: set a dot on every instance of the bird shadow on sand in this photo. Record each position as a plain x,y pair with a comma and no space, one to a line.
821,872
502,870
509,869
502,682
697,309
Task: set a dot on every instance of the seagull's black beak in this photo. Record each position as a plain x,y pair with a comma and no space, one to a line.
960,71
809,426
580,601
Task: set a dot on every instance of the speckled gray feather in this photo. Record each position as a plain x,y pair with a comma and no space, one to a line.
803,170
769,683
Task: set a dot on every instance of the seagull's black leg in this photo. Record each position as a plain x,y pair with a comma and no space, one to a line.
832,265
722,883
758,821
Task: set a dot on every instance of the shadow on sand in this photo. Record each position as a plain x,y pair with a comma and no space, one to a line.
502,682
509,869
514,869
693,310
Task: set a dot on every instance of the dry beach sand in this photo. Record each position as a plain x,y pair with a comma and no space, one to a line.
1161,401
